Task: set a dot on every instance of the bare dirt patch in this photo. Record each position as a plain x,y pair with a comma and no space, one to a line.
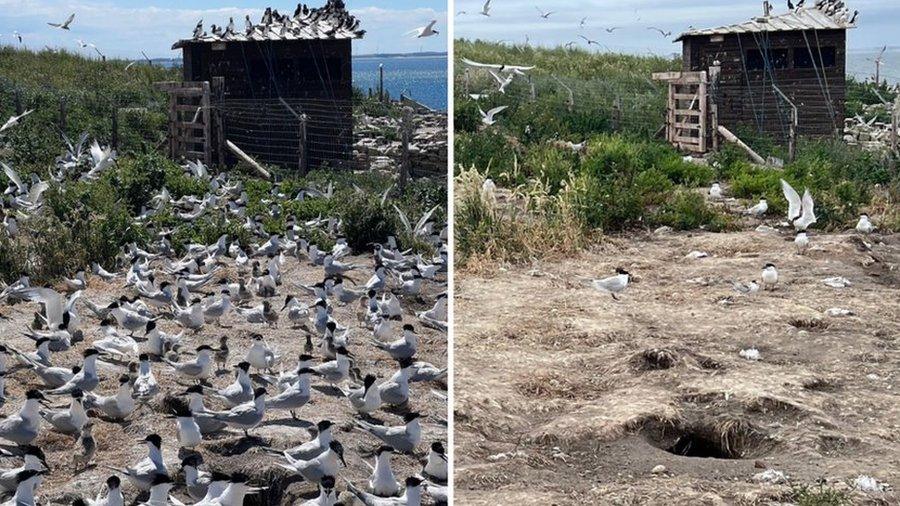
565,396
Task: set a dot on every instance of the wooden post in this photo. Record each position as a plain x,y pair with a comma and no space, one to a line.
670,117
115,128
714,72
17,98
795,121
895,124
218,94
381,82
304,158
62,113
173,118
617,114
730,137
702,94
406,133
207,124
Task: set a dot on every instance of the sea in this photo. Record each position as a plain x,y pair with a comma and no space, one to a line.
861,64
422,77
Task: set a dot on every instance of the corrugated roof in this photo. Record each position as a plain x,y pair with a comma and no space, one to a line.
824,16
331,22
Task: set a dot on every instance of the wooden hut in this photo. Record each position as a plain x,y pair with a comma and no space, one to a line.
773,63
281,89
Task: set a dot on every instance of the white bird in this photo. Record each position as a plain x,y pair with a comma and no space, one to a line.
144,472
769,277
486,9
488,117
411,497
425,31
14,120
365,399
327,494
64,25
864,226
746,288
316,468
402,438
502,82
802,242
614,284
198,369
545,15
715,191
383,483
801,212
759,209
436,463
502,68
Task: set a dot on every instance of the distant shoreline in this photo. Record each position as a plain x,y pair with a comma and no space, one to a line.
426,54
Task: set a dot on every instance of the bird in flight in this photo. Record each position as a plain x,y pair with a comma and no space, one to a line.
425,31
589,41
613,29
662,32
583,23
65,25
486,10
545,15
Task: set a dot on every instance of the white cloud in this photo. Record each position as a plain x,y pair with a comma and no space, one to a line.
126,31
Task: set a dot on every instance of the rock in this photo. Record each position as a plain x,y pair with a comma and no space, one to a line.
751,354
660,469
837,282
770,476
664,230
868,484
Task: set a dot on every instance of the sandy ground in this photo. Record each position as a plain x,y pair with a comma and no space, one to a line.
229,451
566,396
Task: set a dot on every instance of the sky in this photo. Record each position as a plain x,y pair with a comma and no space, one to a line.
124,28
512,20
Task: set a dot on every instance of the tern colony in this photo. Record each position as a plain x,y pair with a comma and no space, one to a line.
131,340
800,216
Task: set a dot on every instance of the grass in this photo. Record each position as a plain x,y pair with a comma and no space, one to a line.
85,222
625,177
821,495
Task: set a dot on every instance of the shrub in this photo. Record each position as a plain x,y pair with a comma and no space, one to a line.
688,210
551,165
366,221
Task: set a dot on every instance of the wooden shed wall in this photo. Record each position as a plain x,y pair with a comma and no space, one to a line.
316,77
746,96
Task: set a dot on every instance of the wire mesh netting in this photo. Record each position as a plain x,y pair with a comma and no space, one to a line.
270,130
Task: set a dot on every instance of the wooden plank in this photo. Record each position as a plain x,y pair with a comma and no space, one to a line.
687,126
671,118
685,96
704,103
207,127
687,112
688,140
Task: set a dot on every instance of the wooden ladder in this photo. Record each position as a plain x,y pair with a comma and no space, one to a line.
687,117
190,120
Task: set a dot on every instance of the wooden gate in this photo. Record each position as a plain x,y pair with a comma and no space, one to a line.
190,120
688,118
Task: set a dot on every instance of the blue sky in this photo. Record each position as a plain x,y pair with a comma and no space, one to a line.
122,28
512,20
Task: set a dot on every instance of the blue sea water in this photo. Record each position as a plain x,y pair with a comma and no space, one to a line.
422,78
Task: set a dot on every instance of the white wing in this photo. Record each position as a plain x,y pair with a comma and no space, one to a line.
51,299
34,195
421,223
793,199
496,110
13,176
809,215
403,218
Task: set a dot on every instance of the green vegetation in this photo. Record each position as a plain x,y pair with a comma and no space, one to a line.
821,495
90,91
85,222
624,177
